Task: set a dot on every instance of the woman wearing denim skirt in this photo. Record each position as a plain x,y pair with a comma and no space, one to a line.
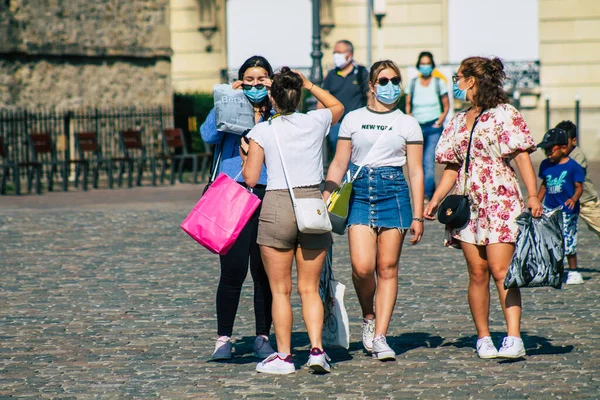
374,143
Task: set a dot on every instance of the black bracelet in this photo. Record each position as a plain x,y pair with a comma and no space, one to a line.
418,219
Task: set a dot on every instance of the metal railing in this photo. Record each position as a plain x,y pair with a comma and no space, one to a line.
17,124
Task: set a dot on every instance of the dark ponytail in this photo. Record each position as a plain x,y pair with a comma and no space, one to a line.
286,90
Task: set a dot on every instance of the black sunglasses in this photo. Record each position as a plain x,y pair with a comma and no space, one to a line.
384,81
456,78
247,86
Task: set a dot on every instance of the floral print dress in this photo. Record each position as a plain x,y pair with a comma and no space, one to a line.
491,184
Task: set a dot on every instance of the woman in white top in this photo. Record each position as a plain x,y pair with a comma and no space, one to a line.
381,139
301,139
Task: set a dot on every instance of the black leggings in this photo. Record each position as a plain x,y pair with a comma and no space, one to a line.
234,268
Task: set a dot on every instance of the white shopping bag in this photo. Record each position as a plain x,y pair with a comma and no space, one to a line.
336,329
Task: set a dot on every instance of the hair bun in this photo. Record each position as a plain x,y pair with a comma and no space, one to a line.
290,79
497,64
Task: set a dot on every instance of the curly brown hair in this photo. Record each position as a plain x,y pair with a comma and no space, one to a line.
489,78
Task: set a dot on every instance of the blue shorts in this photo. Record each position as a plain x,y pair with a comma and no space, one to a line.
380,198
569,231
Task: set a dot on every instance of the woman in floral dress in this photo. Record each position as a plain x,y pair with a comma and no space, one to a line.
488,239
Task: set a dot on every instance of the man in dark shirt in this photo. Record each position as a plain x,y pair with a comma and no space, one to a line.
348,82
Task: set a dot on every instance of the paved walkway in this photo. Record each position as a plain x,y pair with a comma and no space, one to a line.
103,296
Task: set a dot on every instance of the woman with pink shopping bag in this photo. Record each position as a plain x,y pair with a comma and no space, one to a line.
290,145
254,80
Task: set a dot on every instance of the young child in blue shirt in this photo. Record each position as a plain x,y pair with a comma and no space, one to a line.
562,185
590,201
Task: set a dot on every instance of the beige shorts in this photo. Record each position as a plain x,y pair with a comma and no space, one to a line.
277,226
590,213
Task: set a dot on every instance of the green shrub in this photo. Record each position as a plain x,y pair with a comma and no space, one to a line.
190,111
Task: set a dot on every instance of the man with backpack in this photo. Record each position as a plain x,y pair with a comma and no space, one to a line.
348,82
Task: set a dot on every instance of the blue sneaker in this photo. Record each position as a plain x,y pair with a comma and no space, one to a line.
222,348
262,347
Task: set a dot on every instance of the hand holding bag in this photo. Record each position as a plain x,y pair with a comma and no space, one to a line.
311,214
233,111
455,210
539,252
338,203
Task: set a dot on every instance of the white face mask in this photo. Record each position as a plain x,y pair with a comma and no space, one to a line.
339,59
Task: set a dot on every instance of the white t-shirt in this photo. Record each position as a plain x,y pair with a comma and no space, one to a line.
364,127
301,140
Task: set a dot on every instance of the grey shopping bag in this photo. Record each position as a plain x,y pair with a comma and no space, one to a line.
539,252
233,111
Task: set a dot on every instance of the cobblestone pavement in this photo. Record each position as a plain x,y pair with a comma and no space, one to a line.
103,296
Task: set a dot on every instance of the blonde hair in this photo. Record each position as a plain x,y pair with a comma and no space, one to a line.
380,66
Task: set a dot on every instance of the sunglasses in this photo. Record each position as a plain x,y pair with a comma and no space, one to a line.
384,81
247,86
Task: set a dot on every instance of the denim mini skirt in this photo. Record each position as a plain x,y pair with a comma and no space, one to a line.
380,198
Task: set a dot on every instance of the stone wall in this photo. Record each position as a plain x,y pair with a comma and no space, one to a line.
69,53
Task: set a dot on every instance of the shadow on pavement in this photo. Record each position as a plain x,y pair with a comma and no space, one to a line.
587,270
534,345
413,340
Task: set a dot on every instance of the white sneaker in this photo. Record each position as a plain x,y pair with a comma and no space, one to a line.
262,347
318,361
381,350
222,348
512,347
485,348
368,331
277,364
574,278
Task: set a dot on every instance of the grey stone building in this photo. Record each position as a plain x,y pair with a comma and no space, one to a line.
80,53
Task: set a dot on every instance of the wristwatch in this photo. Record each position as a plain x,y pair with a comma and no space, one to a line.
418,219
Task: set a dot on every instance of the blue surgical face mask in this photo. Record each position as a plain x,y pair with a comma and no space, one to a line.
460,94
426,70
387,94
256,95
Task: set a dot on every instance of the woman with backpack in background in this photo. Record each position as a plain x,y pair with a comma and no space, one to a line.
427,101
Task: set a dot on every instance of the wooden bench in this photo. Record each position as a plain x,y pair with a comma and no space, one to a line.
134,153
43,153
90,155
176,149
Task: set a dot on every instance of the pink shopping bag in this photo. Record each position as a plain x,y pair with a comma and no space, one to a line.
222,212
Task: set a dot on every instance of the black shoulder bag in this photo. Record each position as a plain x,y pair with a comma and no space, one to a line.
455,210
